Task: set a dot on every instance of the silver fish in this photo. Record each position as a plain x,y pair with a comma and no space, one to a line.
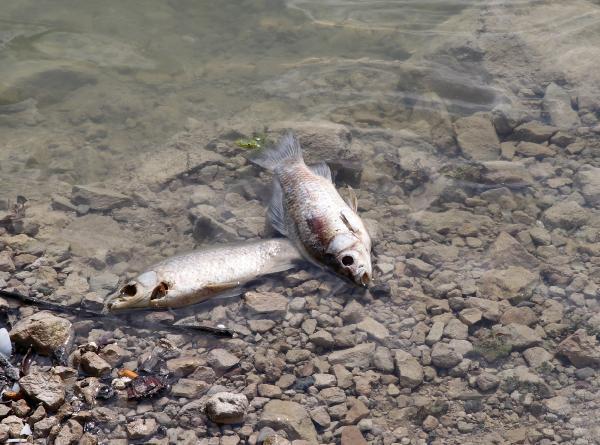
307,208
197,276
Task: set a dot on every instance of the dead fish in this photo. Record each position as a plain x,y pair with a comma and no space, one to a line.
307,208
197,276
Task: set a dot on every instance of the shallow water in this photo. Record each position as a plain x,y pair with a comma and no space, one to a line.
148,99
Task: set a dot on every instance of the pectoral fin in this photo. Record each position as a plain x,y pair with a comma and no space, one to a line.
352,200
221,287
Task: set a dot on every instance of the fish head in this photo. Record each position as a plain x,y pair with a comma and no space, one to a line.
350,258
141,292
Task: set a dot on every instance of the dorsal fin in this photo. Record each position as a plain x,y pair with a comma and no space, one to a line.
352,200
276,212
287,151
321,169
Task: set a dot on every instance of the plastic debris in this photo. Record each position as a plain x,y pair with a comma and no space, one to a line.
5,344
145,386
128,373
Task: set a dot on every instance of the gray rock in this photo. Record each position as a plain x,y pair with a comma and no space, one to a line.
141,428
98,198
70,433
322,339
477,138
519,336
534,131
324,380
188,388
435,333
94,365
519,315
581,349
419,267
320,416
221,360
46,388
588,179
506,251
565,215
358,356
470,316
410,371
531,149
351,435
537,357
373,328
443,356
559,405
6,262
456,329
43,330
513,283
383,360
557,104
114,354
290,417
486,381
332,395
227,408
269,303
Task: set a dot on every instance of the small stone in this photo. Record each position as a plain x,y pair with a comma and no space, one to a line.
333,395
14,425
419,267
443,356
470,316
358,411
410,370
20,408
141,428
70,433
98,198
184,366
114,355
261,326
221,360
531,149
266,303
486,381
588,179
373,328
513,283
519,336
435,333
324,380
297,355
477,137
189,388
322,339
534,131
269,391
581,349
559,405
6,262
354,312
557,104
46,388
309,326
351,435
565,215
357,357
383,360
290,417
43,330
456,329
430,423
94,365
343,376
519,315
227,408
537,357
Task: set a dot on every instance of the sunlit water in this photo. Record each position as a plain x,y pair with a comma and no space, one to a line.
90,92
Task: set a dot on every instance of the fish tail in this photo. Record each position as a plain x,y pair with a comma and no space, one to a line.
287,151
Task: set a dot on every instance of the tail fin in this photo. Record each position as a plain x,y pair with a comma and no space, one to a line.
287,151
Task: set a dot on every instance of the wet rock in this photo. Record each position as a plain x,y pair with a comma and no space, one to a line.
20,408
13,425
183,366
581,349
513,283
42,428
354,312
141,428
443,356
519,336
519,315
221,360
559,405
531,149
261,326
373,328
320,416
269,303
358,356
43,330
290,417
537,357
557,104
69,434
419,267
46,388
351,435
506,251
189,388
6,262
470,316
565,215
207,227
94,365
98,198
534,131
477,138
456,329
114,354
487,382
383,360
588,179
322,339
227,408
410,371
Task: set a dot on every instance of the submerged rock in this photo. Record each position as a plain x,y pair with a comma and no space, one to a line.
581,349
290,417
46,388
99,198
227,408
477,138
557,103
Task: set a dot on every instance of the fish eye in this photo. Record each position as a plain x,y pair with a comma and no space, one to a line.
130,290
347,260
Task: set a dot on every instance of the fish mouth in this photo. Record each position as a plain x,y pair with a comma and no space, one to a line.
365,279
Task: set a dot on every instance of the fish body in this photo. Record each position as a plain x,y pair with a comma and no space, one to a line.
307,208
197,276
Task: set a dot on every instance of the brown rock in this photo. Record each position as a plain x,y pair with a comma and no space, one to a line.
581,349
351,435
44,331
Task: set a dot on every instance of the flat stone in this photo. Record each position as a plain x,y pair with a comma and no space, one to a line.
70,432
519,336
99,198
470,316
557,104
189,388
486,381
46,388
456,329
357,357
565,215
6,262
141,428
185,365
354,312
531,149
265,303
320,416
419,267
383,360
435,333
581,349
534,131
221,360
513,283
559,405
443,356
506,251
373,328
94,365
115,355
322,339
477,137
227,408
333,395
358,411
519,315
588,180
324,380
410,371
537,357
290,417
43,330
351,435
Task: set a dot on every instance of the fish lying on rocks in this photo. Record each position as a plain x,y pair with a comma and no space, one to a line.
307,208
197,276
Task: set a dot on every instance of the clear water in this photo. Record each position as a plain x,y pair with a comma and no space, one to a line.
96,92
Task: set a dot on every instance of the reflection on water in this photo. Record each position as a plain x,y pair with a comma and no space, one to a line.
469,130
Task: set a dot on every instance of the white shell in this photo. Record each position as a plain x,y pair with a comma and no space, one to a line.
5,345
